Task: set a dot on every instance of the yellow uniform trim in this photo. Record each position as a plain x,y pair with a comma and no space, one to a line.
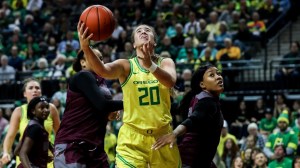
292,145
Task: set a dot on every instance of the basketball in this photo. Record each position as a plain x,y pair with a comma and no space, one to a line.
100,21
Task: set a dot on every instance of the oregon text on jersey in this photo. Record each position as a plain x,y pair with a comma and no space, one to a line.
145,82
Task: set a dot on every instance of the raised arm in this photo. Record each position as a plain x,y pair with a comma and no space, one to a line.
110,70
90,89
11,134
166,73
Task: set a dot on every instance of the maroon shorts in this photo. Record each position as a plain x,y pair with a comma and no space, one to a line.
79,154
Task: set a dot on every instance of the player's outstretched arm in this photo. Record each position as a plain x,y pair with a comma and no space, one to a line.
110,70
169,138
166,73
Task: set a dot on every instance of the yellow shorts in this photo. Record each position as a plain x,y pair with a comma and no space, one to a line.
134,149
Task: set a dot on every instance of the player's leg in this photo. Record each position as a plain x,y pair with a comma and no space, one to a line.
131,149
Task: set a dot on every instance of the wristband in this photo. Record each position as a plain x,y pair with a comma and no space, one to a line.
153,67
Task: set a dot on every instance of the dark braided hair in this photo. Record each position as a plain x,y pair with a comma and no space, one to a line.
195,89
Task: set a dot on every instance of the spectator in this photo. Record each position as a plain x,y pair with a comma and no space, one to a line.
224,136
15,60
248,162
296,128
295,112
284,5
226,55
279,104
229,52
178,40
69,53
280,159
260,161
296,162
203,7
42,71
249,142
34,5
288,72
48,31
127,53
214,25
202,36
219,162
171,30
226,15
61,94
6,8
51,49
29,26
243,38
208,59
192,27
188,53
256,26
253,130
219,38
7,72
149,11
285,136
167,46
3,124
258,111
231,150
138,18
30,60
58,68
110,143
69,39
237,162
183,79
234,24
254,152
118,123
122,38
30,44
239,126
269,12
210,43
268,123
245,9
118,29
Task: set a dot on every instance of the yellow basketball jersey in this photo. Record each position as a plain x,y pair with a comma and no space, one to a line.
147,102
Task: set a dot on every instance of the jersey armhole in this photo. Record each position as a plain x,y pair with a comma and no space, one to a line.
23,111
130,73
160,60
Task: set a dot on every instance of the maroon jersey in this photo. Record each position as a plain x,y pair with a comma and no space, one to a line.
88,103
38,156
204,125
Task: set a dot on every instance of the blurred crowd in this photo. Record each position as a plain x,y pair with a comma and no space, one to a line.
39,38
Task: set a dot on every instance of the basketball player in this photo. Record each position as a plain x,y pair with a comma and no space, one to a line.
202,129
146,81
80,138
